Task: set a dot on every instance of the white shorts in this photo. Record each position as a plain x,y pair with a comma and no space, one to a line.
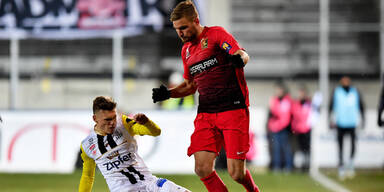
153,184
164,185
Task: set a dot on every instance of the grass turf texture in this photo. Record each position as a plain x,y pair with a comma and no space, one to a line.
279,182
364,181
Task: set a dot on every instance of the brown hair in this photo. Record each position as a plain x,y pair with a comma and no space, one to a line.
184,9
103,103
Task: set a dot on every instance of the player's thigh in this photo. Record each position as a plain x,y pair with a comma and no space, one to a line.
205,160
235,128
236,168
206,136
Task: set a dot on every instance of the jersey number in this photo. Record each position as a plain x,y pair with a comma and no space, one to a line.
131,177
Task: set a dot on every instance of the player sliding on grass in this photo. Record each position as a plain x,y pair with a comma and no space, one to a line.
213,65
112,147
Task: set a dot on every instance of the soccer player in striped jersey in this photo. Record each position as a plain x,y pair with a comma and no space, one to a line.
113,148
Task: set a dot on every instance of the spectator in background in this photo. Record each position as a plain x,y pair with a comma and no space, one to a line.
346,105
278,124
301,125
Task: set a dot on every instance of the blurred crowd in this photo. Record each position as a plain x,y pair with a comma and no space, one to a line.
290,121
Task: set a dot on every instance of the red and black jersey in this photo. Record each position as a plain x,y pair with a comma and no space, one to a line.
221,87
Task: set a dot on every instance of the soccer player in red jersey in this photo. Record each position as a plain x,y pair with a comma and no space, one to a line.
213,65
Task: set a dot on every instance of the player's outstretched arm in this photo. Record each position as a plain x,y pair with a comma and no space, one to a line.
163,93
88,174
141,125
184,89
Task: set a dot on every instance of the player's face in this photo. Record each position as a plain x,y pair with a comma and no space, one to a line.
105,121
186,29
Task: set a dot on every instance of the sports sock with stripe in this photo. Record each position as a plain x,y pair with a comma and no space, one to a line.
214,183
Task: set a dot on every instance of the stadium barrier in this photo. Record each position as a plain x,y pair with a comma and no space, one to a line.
49,141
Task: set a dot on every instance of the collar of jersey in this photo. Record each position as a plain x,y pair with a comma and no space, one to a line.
198,39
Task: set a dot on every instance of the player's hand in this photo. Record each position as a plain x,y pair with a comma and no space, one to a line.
160,94
236,60
140,118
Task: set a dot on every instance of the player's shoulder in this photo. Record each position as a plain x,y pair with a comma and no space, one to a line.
216,29
89,140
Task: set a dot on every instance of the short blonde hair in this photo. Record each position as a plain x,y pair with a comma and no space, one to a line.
103,103
184,9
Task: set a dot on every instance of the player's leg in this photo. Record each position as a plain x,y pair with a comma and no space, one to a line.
204,168
204,163
235,127
236,169
238,172
206,141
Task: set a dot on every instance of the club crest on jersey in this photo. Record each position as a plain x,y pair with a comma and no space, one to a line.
226,46
204,43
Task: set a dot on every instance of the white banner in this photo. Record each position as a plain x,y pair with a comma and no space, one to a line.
63,19
42,141
49,141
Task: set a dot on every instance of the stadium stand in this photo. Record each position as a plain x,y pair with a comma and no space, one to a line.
283,37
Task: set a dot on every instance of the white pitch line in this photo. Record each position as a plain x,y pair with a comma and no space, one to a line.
327,182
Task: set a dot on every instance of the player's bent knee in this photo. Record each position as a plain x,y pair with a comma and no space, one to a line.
238,176
203,170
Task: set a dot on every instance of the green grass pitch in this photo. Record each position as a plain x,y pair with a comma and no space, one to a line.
268,182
